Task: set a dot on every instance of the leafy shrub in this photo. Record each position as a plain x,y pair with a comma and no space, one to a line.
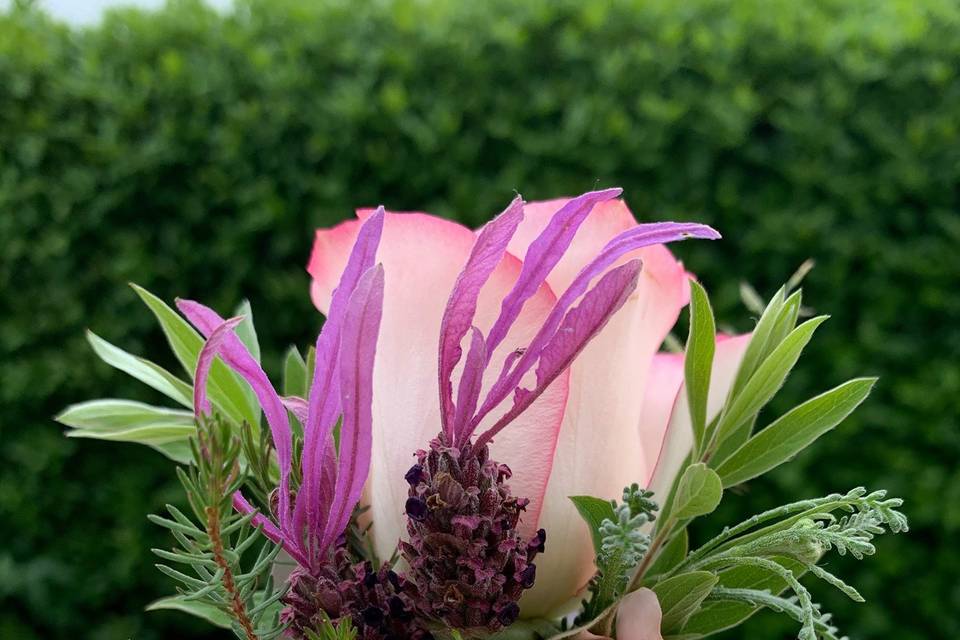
194,152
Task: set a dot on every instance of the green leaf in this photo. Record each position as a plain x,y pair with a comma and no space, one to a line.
786,320
698,362
143,370
246,331
594,511
759,348
248,336
121,414
768,378
794,431
208,612
717,615
294,374
226,389
698,493
680,597
671,554
166,430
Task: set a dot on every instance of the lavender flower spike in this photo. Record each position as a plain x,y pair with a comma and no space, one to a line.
309,523
468,563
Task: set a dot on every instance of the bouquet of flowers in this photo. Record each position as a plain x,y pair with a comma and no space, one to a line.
486,440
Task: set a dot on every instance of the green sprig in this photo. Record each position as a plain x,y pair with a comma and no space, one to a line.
213,544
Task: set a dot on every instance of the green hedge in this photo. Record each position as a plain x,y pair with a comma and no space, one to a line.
194,152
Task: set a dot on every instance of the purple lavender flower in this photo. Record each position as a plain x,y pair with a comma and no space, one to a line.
468,562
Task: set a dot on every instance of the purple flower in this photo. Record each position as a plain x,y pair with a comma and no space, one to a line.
309,522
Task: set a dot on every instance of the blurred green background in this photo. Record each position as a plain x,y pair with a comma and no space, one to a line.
194,152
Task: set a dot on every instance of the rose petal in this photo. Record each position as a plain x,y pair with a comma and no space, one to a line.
674,429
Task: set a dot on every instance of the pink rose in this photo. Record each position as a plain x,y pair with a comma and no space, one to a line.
596,429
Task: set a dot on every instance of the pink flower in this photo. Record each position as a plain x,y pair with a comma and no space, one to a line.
573,430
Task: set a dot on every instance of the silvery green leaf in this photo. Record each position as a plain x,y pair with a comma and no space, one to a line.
121,414
143,370
246,330
698,362
294,374
718,615
794,431
208,612
767,379
698,492
681,596
226,389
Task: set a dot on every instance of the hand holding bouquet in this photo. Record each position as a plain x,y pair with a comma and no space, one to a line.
485,441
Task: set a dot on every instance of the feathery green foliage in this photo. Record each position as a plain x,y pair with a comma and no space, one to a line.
214,545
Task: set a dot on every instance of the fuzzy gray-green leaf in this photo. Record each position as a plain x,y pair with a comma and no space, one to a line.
681,596
698,493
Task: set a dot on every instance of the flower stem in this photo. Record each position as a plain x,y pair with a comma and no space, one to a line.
236,602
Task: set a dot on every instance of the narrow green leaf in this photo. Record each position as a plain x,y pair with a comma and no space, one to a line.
143,370
594,511
167,430
786,320
294,374
108,413
698,362
768,378
208,612
698,493
794,431
246,331
248,336
758,348
226,389
681,596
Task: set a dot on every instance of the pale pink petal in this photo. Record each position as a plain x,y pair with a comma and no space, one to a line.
677,434
422,256
598,452
639,616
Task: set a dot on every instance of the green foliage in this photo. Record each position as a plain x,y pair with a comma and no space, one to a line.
620,542
194,153
213,545
801,532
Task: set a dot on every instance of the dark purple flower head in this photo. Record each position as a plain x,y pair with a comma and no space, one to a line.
468,564
374,601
